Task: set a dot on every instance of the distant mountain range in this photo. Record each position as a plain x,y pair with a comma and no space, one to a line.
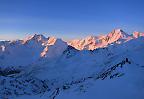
105,67
35,47
117,36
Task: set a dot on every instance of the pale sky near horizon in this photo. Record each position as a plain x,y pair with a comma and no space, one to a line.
69,19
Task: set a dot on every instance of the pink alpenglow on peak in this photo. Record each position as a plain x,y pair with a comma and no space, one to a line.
137,34
117,36
51,41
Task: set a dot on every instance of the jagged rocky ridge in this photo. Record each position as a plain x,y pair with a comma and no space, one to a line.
117,36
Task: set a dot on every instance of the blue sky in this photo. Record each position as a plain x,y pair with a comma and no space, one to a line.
69,18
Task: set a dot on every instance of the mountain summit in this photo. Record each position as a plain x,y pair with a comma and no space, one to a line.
117,36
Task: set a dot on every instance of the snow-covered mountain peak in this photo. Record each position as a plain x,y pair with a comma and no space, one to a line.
59,42
137,34
39,37
117,34
54,48
93,42
51,40
32,48
35,37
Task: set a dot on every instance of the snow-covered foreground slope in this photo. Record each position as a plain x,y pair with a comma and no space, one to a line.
59,71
